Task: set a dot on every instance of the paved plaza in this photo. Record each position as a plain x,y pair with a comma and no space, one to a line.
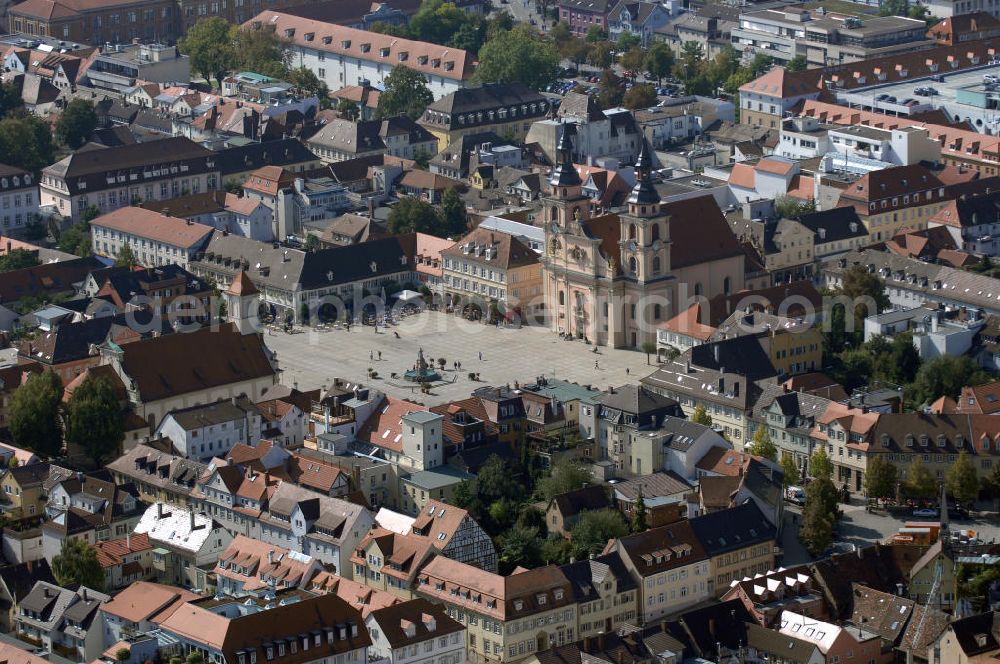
862,528
312,358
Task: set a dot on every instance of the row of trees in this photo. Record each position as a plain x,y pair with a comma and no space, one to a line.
91,418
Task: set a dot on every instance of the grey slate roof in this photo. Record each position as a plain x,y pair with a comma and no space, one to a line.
635,399
732,529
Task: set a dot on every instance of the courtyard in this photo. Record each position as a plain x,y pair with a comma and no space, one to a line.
311,358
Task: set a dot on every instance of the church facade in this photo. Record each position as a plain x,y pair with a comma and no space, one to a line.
613,278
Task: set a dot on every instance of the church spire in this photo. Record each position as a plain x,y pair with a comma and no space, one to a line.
644,193
564,174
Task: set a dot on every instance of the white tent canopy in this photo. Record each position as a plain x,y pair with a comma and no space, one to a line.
407,296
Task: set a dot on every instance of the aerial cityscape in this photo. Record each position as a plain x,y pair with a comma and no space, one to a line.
499,332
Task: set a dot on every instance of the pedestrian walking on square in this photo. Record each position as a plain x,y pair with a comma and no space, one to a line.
596,366
371,355
380,356
480,356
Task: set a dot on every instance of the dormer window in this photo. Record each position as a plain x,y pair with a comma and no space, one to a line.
309,36
448,66
942,440
924,440
328,40
384,52
403,56
885,440
346,43
909,440
422,59
518,605
365,48
289,33
435,63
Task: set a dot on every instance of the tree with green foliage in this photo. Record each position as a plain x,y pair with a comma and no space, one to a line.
789,471
762,445
596,34
920,483
641,95
210,49
18,259
591,532
123,655
859,295
10,97
412,214
34,414
454,217
561,34
944,375
599,55
406,93
76,239
576,50
880,477
640,523
532,517
126,257
701,416
893,8
519,546
632,60
649,348
611,89
659,60
194,657
962,480
791,208
820,466
77,564
556,550
348,110
94,419
261,51
628,42
76,123
798,63
816,532
688,65
567,475
991,484
441,22
26,142
422,158
518,55
310,85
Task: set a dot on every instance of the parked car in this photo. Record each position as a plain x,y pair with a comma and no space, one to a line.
882,97
925,511
938,77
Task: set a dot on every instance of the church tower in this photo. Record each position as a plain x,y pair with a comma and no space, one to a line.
241,300
645,229
565,203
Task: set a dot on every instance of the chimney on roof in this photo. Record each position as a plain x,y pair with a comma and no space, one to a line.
192,519
159,510
270,557
83,593
128,540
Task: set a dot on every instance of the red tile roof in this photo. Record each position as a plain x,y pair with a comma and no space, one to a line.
384,427
428,59
154,226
